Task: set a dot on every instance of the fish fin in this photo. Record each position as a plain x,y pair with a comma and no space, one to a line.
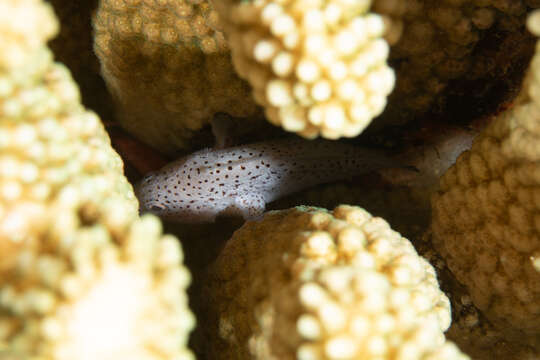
251,205
223,129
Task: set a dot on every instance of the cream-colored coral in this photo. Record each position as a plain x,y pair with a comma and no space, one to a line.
307,283
93,294
318,67
168,66
485,216
81,276
19,38
47,138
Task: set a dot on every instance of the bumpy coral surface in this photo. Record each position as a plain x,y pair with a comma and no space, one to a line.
168,66
98,292
19,38
317,67
441,48
82,277
306,283
47,140
485,220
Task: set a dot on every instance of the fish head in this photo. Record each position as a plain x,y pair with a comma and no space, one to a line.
172,198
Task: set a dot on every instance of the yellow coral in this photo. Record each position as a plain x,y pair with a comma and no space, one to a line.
102,294
485,220
81,275
306,283
167,65
24,28
47,138
318,67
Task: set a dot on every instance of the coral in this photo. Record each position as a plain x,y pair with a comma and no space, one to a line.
435,46
167,66
317,67
440,48
307,283
105,293
82,276
20,38
485,215
75,257
47,140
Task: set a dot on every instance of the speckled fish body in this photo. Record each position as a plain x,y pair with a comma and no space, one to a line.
241,180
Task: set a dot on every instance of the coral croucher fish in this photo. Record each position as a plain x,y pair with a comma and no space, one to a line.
241,180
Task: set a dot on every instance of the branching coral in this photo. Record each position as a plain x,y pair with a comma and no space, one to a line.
82,276
167,65
306,283
485,216
318,67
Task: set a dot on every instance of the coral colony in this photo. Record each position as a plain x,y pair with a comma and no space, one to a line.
84,276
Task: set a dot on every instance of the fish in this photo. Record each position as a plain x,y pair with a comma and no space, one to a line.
241,180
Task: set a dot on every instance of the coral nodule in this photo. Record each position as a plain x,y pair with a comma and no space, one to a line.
83,277
307,283
317,67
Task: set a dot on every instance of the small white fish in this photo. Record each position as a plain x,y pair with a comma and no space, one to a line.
241,180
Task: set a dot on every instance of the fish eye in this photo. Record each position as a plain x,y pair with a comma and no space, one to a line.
157,207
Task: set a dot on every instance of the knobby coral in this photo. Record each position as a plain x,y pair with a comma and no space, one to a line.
307,283
82,275
74,256
168,66
92,293
437,45
317,67
47,139
485,215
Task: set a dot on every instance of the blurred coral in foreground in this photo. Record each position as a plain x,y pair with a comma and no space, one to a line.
82,276
307,283
168,67
485,216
